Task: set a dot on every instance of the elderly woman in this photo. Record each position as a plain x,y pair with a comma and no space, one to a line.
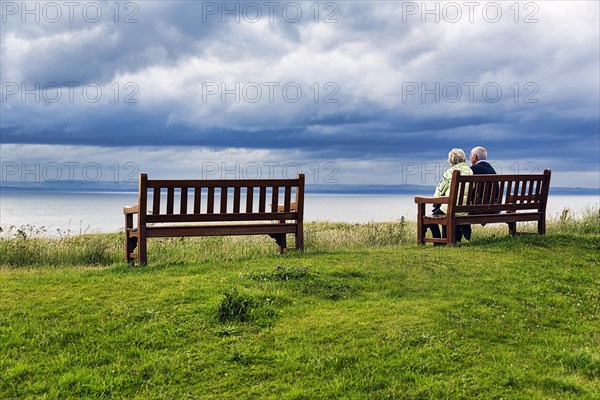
458,161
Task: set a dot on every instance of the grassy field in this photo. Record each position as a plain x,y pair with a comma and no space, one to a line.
364,313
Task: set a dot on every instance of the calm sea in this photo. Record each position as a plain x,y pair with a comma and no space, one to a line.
85,212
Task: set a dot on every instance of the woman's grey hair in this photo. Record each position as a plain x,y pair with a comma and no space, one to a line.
456,156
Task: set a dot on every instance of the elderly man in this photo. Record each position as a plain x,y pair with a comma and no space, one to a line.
480,166
479,163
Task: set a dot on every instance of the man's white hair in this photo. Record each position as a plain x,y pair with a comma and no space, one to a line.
480,153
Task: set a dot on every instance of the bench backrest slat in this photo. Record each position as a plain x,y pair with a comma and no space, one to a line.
197,199
506,197
156,201
287,199
262,200
479,192
530,192
516,195
249,198
461,193
223,193
210,201
538,189
171,199
501,192
237,192
274,197
183,201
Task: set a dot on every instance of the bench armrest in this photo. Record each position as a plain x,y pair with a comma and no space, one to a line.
131,209
432,200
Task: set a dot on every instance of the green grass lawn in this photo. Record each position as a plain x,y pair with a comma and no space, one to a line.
354,317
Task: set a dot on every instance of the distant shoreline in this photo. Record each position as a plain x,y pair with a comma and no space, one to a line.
111,187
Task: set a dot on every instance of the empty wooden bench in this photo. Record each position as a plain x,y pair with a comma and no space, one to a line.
490,199
182,208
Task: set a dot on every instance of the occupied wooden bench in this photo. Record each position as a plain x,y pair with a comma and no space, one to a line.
214,208
490,199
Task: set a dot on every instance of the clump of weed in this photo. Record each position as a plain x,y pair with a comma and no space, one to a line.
329,236
307,282
584,362
586,223
244,307
281,273
28,246
331,289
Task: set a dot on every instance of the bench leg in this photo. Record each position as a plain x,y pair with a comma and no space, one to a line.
420,228
542,225
451,234
130,245
280,239
130,241
127,246
283,244
300,237
512,228
142,250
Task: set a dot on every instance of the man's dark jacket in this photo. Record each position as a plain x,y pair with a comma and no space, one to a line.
483,167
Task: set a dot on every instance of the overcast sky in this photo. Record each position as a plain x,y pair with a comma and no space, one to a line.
346,91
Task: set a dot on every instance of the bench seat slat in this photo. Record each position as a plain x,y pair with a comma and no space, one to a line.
496,218
497,207
176,218
219,230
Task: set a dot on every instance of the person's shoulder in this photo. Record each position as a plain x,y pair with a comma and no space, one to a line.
462,167
483,167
